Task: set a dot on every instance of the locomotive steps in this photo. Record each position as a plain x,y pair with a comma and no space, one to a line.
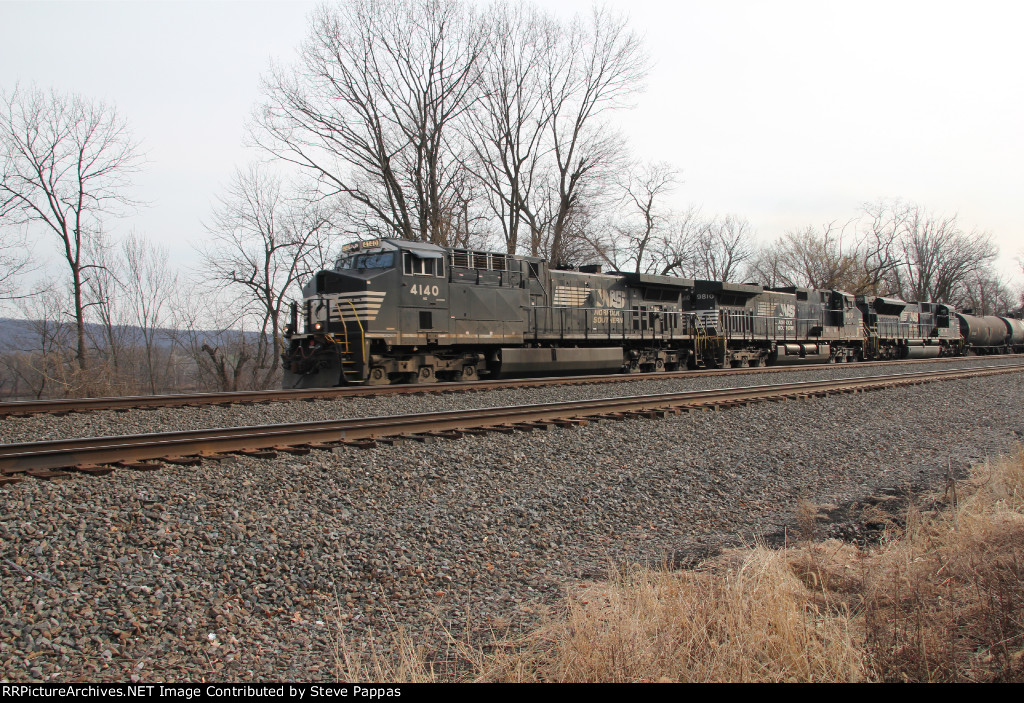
100,455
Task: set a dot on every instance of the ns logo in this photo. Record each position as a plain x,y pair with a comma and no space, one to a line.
609,298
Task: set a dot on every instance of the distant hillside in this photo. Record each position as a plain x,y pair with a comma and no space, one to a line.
23,335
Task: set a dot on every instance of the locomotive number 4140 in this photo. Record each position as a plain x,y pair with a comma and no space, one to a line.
421,289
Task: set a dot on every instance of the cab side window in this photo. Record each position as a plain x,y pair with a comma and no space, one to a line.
418,266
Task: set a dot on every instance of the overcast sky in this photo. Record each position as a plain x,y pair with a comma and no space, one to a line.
787,113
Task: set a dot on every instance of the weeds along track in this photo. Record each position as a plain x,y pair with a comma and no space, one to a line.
102,455
77,405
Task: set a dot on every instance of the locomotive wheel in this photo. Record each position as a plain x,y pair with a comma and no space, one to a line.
426,375
469,373
378,376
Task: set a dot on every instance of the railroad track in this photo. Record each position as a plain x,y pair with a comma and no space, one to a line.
101,455
75,405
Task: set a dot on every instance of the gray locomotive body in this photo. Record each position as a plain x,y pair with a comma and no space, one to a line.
896,329
397,311
400,311
746,324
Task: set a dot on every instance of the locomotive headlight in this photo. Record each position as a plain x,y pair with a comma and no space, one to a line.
318,326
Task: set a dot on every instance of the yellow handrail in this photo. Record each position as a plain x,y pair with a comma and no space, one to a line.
362,332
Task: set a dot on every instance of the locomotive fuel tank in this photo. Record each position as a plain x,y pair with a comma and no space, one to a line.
800,354
917,349
533,361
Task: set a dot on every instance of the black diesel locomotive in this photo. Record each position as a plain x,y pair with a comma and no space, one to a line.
400,311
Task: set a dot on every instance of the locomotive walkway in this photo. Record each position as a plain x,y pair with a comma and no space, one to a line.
74,405
101,455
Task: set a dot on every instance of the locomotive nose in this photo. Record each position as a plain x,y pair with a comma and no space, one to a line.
334,282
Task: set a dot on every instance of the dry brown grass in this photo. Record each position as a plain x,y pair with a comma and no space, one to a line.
945,602
941,599
747,618
366,662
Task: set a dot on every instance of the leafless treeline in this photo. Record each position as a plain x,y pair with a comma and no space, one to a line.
431,120
108,317
427,120
889,247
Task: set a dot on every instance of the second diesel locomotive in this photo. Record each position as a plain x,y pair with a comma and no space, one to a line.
399,311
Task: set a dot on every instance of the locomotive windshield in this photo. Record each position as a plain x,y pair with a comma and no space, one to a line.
365,261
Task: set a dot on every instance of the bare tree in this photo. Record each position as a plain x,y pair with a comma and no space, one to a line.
370,110
675,252
713,249
885,225
104,297
768,266
507,125
595,68
15,261
646,220
66,164
263,240
824,259
938,256
987,293
1020,289
723,248
41,365
220,354
149,285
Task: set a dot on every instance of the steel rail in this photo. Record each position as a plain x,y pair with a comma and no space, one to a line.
89,453
71,405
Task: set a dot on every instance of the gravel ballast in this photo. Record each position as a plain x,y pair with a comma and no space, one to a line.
264,569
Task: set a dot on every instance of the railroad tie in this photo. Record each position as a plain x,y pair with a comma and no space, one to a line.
139,465
445,434
322,446
357,443
421,438
93,469
47,474
256,453
573,422
182,460
298,450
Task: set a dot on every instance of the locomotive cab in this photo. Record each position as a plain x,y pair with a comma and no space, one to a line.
340,312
